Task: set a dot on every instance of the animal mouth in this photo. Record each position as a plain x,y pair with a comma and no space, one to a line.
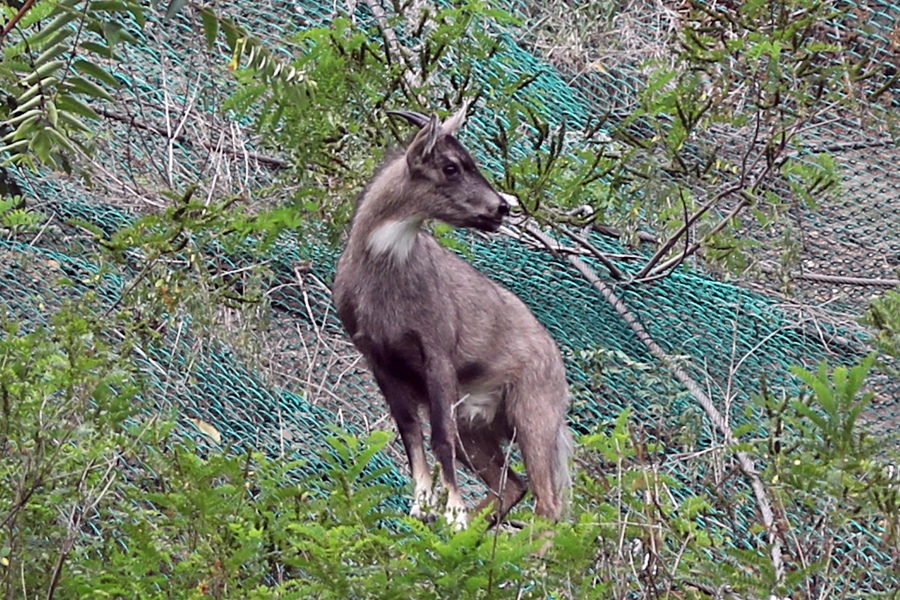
487,222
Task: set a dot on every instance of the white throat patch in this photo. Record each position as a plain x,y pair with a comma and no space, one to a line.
396,238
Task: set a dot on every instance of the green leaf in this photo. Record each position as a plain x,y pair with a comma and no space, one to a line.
857,377
14,150
42,70
73,122
109,6
22,120
26,106
67,103
820,386
174,8
54,135
97,72
42,145
99,49
137,11
210,26
53,27
232,34
114,33
85,86
52,51
810,414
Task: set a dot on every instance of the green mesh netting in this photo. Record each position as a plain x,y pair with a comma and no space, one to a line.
713,324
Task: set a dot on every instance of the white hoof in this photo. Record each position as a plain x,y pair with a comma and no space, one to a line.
457,517
421,513
423,505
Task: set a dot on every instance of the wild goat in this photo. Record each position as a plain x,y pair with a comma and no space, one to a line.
439,335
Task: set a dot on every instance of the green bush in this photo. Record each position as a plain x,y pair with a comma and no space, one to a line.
99,498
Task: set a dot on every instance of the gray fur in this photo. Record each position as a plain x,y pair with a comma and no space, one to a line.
443,339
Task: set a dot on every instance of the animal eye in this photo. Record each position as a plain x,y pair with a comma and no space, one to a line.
450,170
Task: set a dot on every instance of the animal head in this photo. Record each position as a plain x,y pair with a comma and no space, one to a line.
444,176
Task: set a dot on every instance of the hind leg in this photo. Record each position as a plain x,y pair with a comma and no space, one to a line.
536,409
544,460
481,452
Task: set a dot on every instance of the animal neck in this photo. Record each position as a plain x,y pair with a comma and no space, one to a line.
387,223
394,238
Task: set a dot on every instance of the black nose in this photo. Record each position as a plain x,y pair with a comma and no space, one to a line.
503,209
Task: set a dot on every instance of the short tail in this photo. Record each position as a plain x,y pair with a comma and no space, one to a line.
562,474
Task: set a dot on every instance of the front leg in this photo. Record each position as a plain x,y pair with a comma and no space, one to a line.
404,403
442,397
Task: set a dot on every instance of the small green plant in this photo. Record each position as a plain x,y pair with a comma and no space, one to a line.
830,474
100,497
65,397
53,70
884,316
16,219
834,407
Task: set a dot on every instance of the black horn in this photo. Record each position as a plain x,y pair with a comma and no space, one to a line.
413,117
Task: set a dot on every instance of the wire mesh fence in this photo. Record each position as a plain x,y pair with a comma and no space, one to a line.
306,376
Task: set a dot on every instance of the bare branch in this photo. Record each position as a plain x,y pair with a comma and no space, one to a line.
396,50
272,161
692,249
649,270
23,10
613,269
746,463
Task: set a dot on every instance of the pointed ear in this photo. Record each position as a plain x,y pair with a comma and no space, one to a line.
423,144
454,123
